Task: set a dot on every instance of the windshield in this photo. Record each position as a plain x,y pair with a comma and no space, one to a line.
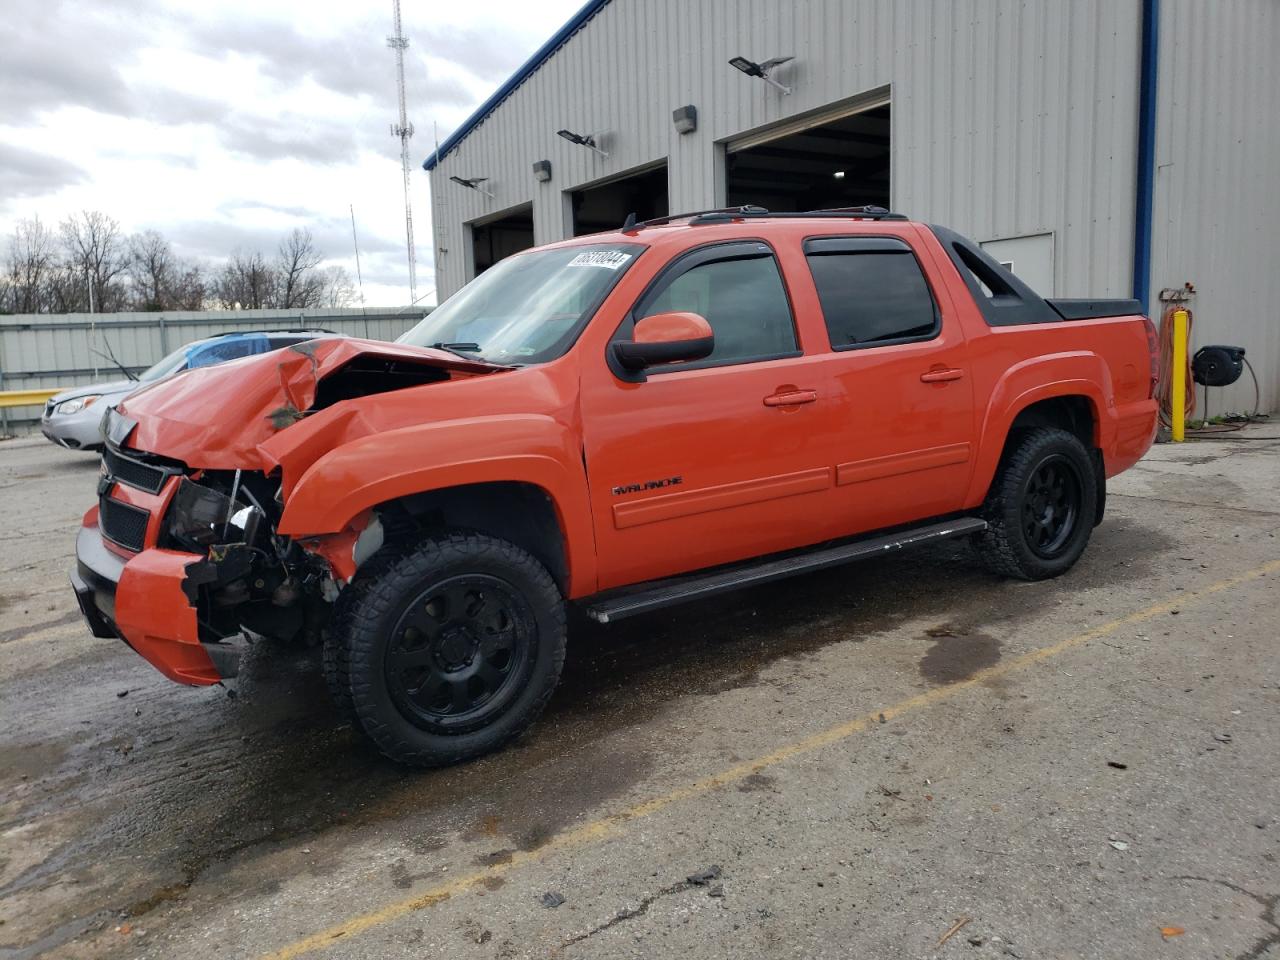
528,308
168,365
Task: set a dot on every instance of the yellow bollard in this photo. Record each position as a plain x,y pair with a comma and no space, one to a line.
1178,398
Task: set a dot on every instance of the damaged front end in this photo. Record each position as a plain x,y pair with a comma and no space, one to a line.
182,555
248,577
180,564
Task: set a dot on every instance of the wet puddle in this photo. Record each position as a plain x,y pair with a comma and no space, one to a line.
957,653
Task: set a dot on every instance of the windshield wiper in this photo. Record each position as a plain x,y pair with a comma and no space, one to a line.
457,349
111,355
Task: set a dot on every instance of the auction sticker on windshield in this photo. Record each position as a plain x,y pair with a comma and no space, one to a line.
609,259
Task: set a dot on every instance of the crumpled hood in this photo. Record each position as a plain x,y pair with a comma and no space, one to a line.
250,413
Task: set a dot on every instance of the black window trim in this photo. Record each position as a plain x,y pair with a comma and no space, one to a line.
682,263
1012,302
870,243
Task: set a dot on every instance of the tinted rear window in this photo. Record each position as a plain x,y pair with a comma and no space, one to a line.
872,292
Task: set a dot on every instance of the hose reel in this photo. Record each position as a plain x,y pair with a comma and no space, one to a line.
1218,365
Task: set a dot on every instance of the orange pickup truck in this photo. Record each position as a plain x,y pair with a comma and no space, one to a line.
621,421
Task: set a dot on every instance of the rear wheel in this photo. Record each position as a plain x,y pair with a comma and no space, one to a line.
1041,507
452,650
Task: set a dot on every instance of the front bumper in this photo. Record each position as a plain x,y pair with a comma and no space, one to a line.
143,599
76,431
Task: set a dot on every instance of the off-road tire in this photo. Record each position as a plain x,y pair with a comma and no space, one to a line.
334,654
1005,546
362,637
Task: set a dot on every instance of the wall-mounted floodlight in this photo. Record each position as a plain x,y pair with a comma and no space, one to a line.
589,142
542,170
473,183
685,119
761,70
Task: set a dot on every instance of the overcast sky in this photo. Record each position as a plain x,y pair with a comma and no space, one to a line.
225,124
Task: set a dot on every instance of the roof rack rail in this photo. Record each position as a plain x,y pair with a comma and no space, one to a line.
728,214
856,213
632,224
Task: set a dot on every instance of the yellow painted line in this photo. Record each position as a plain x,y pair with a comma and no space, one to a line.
611,825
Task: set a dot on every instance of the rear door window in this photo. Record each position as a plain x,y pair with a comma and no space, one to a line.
872,290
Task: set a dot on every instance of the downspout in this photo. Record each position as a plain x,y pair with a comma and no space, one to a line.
1146,180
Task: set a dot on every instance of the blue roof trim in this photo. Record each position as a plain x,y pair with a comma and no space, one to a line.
543,54
1146,164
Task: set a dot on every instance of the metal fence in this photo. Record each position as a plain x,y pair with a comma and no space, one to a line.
44,351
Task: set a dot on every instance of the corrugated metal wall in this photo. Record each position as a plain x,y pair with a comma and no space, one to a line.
63,350
1217,199
1010,117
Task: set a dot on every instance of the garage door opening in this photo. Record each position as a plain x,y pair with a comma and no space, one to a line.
493,240
606,206
841,163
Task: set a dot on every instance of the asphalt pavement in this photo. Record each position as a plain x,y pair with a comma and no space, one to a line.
903,758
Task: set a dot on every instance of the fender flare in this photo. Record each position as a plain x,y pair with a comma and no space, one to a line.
1070,374
374,469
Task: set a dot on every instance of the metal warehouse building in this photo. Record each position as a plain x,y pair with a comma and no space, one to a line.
1100,147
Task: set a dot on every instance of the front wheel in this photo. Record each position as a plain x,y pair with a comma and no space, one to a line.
453,649
1041,507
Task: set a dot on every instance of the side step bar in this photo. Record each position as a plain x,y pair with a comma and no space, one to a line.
663,593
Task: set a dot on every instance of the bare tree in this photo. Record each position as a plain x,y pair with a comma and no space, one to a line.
97,252
32,262
246,282
188,290
296,261
151,271
337,289
89,264
66,290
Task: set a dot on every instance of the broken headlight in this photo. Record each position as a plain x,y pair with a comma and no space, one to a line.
200,516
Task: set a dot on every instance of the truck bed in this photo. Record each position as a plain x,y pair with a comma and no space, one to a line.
1085,309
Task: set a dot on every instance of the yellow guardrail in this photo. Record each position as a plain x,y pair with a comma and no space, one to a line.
27,398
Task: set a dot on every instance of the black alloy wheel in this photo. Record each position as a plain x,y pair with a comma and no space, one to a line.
446,649
1051,505
458,652
1041,507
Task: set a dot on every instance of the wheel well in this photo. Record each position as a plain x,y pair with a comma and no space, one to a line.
1073,414
521,513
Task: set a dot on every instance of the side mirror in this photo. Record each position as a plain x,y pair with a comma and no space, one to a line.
665,338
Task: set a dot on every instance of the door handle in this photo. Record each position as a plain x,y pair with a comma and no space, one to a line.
790,398
942,375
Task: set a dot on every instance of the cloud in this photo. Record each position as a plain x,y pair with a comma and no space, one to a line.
54,55
224,125
294,137
349,64
486,53
164,104
27,173
36,75
359,63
